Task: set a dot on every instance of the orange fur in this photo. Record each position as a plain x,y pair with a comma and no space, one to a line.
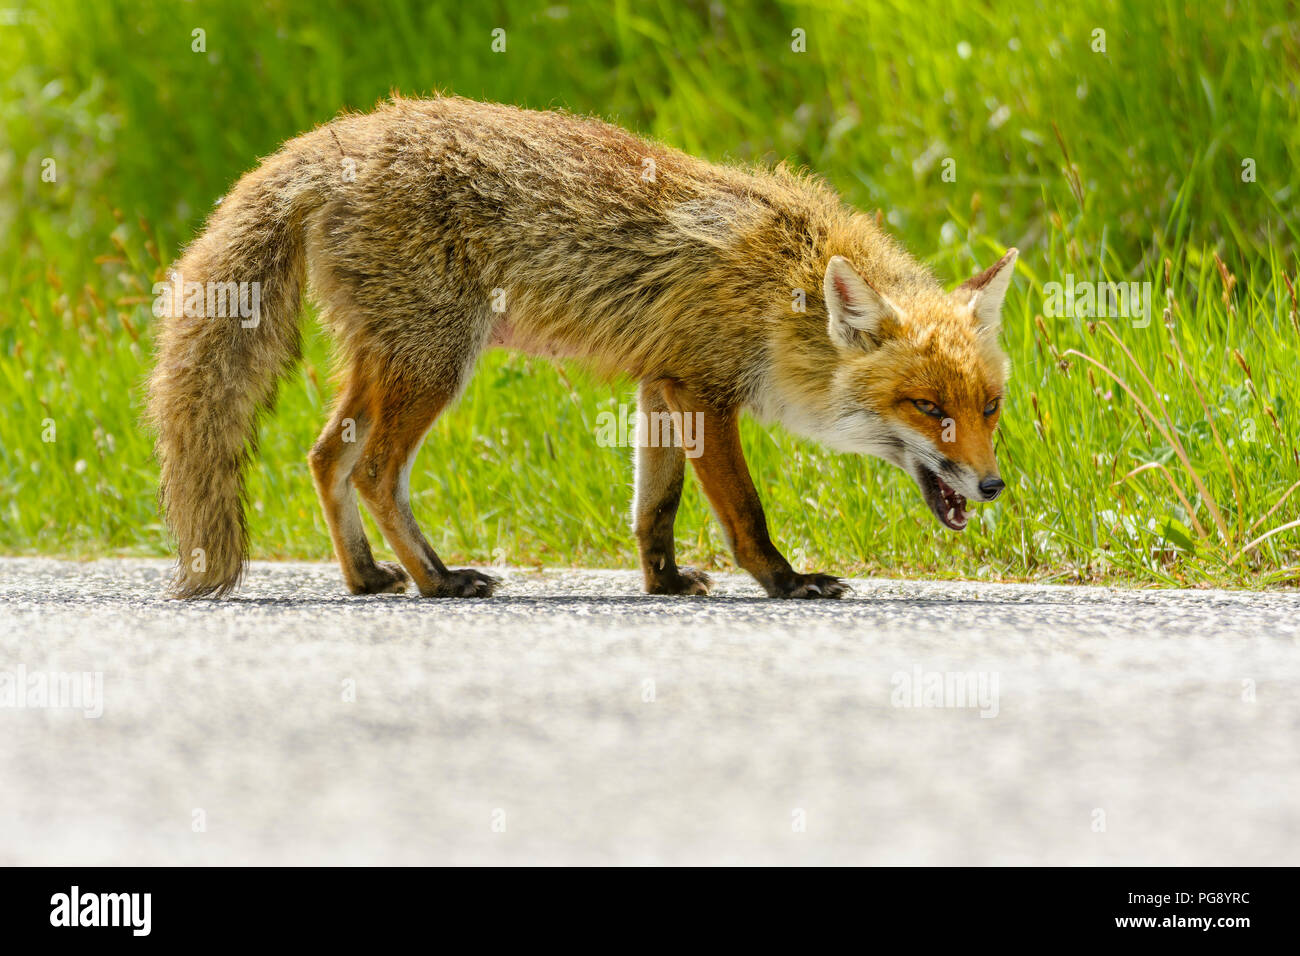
430,230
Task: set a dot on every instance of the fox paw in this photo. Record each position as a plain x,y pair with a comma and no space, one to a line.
465,582
384,578
686,581
809,586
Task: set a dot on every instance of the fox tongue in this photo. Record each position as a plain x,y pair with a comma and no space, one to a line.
954,503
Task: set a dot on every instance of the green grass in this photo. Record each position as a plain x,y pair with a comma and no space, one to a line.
1122,165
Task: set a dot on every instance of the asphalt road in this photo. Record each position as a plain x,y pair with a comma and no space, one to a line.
572,720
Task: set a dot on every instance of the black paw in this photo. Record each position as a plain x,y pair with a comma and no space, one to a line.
466,582
384,578
685,581
809,586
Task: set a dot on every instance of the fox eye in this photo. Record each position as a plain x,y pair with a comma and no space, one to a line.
928,408
992,406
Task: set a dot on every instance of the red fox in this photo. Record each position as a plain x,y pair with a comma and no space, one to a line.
430,230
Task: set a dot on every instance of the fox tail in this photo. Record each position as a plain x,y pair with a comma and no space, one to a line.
218,365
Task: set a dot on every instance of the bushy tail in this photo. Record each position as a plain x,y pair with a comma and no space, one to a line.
218,369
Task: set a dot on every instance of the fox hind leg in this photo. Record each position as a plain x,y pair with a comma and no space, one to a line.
660,469
332,460
403,411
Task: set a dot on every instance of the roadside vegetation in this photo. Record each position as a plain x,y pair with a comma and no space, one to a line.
1156,447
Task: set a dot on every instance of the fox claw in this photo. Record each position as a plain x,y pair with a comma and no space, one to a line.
466,582
688,581
810,586
386,578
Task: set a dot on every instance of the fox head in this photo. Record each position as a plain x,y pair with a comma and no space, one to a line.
919,381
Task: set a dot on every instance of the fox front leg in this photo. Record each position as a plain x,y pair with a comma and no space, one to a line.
720,466
660,468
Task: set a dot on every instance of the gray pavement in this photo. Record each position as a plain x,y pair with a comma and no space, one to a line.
573,720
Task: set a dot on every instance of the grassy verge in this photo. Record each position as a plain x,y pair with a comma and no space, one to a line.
1156,448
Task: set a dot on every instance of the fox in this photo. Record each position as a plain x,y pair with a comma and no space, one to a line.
431,230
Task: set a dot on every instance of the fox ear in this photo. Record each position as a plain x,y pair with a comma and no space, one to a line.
984,293
858,313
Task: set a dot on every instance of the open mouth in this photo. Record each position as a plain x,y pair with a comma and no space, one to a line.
948,505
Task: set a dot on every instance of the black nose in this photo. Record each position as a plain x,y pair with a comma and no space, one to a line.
992,487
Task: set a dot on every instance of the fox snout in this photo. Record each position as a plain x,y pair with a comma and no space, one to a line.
941,491
991,487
